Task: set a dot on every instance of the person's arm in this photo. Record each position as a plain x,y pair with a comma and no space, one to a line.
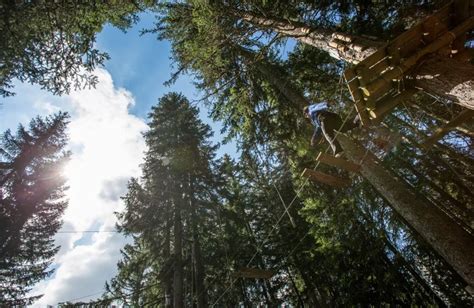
316,136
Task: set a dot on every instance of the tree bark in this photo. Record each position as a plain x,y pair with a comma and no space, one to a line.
448,78
196,250
178,297
167,283
451,241
349,48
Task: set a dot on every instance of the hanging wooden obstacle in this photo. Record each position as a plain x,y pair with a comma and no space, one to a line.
254,273
324,178
337,162
377,83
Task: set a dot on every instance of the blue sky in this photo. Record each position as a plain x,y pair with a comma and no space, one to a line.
107,149
141,64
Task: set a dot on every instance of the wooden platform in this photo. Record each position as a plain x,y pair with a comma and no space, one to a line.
377,84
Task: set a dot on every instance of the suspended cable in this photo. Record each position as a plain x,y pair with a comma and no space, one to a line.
89,231
298,191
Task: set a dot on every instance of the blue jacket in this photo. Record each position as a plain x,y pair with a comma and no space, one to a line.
314,110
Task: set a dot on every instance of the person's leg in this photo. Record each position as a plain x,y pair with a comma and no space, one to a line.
330,123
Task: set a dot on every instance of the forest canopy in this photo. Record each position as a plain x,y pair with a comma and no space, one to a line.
353,181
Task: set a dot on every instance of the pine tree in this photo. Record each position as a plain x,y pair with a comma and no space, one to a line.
169,209
258,108
32,202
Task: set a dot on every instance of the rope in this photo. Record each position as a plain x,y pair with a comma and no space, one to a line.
287,208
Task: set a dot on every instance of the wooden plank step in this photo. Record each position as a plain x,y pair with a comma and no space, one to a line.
462,117
254,273
328,179
337,162
363,114
353,84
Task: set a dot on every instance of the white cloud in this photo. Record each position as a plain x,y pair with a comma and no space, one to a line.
107,147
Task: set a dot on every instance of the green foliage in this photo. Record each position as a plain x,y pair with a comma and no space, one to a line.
51,43
171,203
354,254
31,204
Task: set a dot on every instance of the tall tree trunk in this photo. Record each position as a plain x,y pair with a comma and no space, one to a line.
196,251
451,241
448,78
178,296
349,48
167,282
453,207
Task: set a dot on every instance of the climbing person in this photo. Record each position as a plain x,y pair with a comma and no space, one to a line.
326,123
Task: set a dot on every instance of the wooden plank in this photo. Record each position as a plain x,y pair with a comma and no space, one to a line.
461,13
377,86
385,106
364,116
353,84
462,117
381,66
254,273
337,162
408,41
364,74
411,39
432,27
328,179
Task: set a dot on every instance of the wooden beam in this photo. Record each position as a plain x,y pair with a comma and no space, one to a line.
353,84
337,162
385,106
364,116
462,117
327,179
254,273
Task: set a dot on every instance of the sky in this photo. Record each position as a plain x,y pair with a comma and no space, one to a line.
107,147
